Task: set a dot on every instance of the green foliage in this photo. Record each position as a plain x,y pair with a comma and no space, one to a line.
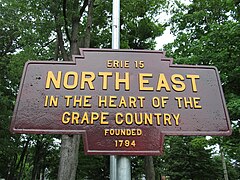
92,167
233,105
188,158
207,33
232,148
28,31
138,25
137,166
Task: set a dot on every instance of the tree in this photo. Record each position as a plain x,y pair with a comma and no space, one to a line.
149,168
202,33
207,33
54,30
71,23
188,158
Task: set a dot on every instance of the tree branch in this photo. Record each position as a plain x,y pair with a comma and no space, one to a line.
65,19
60,40
85,3
49,42
89,24
56,50
75,26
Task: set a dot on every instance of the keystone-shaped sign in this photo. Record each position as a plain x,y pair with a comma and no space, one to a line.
122,101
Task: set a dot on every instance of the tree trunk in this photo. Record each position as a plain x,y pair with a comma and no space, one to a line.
69,157
149,168
23,166
89,24
22,159
70,143
37,160
12,168
224,164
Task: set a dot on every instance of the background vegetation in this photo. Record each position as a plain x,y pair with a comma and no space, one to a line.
207,33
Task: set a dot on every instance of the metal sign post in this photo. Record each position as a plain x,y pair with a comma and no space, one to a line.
120,167
116,24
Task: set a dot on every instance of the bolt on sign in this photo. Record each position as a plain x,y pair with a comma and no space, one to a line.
122,101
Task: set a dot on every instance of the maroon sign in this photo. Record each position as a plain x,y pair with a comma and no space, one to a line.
122,101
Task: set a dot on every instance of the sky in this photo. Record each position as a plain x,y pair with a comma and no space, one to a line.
166,38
